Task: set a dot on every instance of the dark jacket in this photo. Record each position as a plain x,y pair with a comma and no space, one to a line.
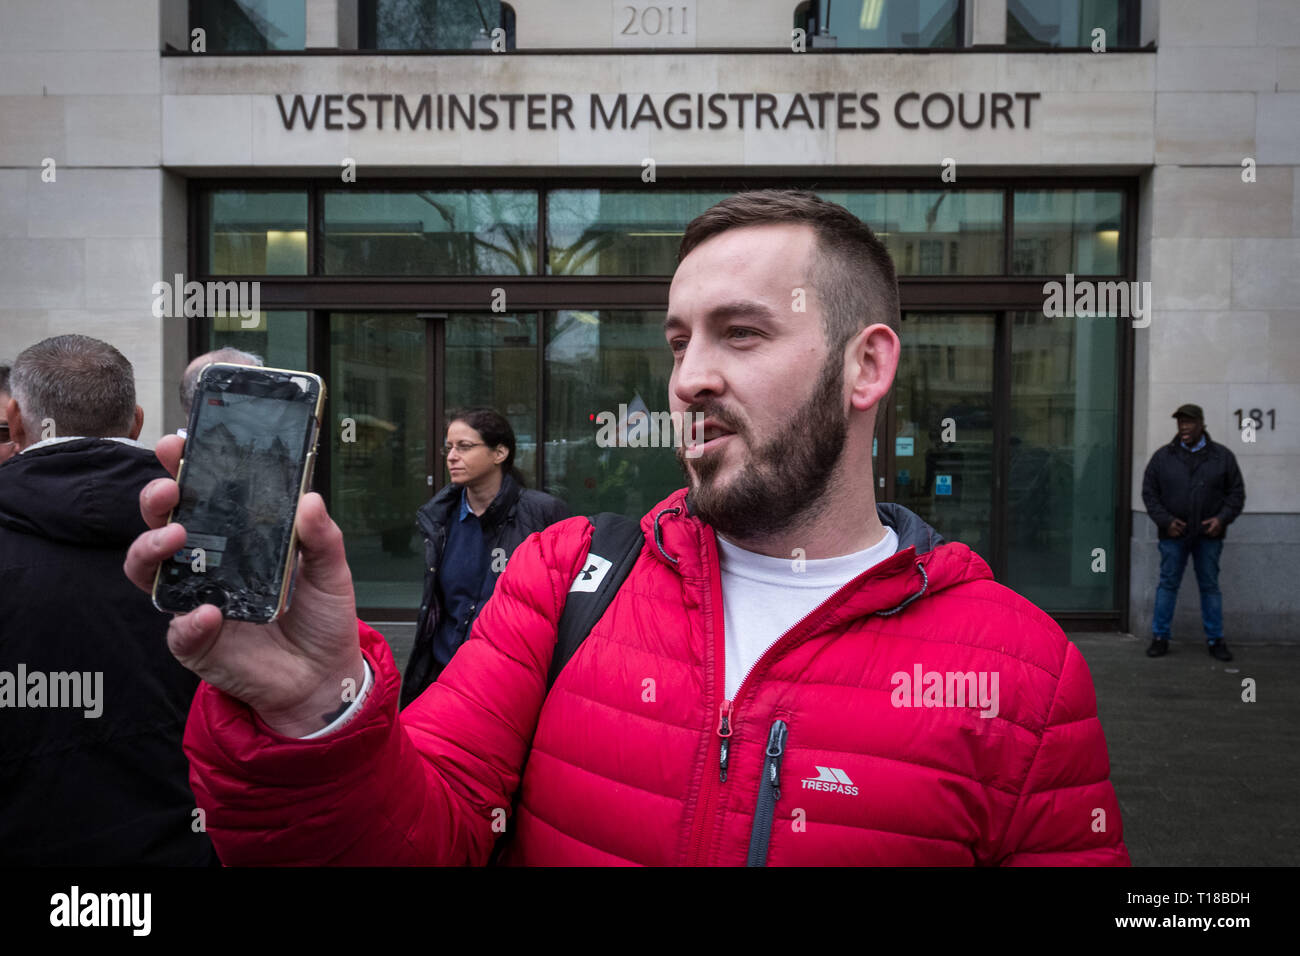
1193,486
514,514
106,790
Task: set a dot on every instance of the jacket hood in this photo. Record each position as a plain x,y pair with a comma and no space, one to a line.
84,492
923,564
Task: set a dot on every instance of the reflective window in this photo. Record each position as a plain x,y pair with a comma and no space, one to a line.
378,423
933,232
457,232
492,360
604,370
238,26
1059,231
434,24
1070,23
882,23
943,445
256,233
611,232
279,337
1061,546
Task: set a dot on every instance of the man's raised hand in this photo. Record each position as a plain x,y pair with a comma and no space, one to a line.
291,671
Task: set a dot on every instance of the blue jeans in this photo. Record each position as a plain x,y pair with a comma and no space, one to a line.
1173,561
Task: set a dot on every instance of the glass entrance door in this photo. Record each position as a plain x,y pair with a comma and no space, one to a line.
379,462
491,359
942,454
392,378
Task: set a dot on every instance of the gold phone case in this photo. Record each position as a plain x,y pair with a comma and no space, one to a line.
308,470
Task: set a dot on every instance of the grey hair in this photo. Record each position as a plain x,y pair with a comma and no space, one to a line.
190,380
85,386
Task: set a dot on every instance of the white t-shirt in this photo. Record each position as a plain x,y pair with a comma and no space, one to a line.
763,597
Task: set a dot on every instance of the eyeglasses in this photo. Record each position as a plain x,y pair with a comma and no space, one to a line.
463,447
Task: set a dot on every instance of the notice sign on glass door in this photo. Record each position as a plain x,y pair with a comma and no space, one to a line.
943,484
903,447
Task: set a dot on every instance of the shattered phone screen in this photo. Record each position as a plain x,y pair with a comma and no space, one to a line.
250,434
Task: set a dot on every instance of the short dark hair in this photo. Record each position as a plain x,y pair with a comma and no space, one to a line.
495,429
85,386
851,269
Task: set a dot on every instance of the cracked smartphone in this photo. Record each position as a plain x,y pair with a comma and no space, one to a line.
249,455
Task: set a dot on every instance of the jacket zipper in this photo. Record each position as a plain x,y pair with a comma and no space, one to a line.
724,731
702,826
724,716
704,820
769,793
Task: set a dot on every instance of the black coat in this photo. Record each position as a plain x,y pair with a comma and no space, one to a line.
112,789
1193,486
514,514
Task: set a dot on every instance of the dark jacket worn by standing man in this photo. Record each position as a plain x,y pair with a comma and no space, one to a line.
1193,486
105,781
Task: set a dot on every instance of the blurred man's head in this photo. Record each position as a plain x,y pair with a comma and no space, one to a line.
783,321
190,380
8,448
72,386
1191,423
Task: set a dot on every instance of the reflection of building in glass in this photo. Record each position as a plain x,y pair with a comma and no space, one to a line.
378,474
249,497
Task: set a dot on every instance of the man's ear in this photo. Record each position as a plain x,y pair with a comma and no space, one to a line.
138,424
872,361
14,415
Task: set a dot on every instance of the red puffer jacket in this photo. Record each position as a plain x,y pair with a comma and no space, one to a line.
831,758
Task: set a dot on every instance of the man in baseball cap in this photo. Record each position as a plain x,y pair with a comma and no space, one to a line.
1193,490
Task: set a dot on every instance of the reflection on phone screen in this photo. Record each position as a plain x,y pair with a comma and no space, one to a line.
239,494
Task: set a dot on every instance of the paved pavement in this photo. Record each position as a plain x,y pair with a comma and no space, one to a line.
1203,778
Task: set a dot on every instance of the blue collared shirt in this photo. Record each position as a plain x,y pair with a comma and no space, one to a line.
460,578
1199,445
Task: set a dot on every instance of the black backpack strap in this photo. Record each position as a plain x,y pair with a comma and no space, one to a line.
615,545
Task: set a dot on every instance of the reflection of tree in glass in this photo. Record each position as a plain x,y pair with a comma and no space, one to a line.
238,26
511,217
433,24
573,258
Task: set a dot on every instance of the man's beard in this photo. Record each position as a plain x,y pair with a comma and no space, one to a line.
782,482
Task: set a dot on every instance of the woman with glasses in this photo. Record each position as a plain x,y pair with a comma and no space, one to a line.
470,529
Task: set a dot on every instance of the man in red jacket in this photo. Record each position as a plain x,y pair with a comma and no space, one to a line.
789,675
